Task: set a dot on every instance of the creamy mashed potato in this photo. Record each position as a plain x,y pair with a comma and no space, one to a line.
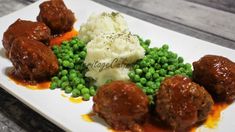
102,23
109,74
108,56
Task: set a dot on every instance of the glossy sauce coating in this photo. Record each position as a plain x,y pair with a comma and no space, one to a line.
28,29
56,16
122,105
32,60
217,75
182,103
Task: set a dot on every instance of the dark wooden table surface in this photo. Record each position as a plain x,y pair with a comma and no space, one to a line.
209,20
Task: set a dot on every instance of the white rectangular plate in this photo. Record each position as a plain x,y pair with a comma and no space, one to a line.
66,114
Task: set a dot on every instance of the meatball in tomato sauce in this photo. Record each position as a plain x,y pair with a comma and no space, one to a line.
56,16
28,29
32,60
217,75
121,104
181,103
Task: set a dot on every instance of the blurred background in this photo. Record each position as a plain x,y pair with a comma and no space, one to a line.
209,20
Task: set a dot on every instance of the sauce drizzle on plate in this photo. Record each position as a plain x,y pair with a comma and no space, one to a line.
158,126
214,116
35,86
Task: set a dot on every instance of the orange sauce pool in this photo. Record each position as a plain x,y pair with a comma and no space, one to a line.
158,126
214,116
36,86
57,40
77,100
88,117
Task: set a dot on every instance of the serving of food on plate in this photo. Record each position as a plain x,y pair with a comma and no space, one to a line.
134,86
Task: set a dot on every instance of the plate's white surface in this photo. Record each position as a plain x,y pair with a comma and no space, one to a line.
67,115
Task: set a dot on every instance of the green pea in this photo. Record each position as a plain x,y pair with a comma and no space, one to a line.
92,92
149,91
152,61
55,47
165,46
73,42
171,67
162,72
72,76
131,75
180,60
54,79
143,64
139,85
138,71
148,75
58,82
65,42
163,60
157,66
149,83
72,71
188,66
151,70
177,72
145,70
71,65
66,57
171,73
165,66
136,67
82,81
161,78
60,61
144,90
136,78
85,91
147,42
155,75
68,89
143,81
82,54
158,84
66,63
86,97
160,53
64,72
75,93
70,53
80,86
64,84
64,78
53,85
60,67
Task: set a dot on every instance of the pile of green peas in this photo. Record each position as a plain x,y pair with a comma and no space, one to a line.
71,76
158,63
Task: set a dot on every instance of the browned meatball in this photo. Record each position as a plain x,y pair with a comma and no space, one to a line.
22,28
121,104
181,103
217,75
56,15
33,61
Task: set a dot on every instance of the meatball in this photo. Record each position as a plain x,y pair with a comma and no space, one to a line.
122,105
33,61
217,75
181,103
56,16
22,28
